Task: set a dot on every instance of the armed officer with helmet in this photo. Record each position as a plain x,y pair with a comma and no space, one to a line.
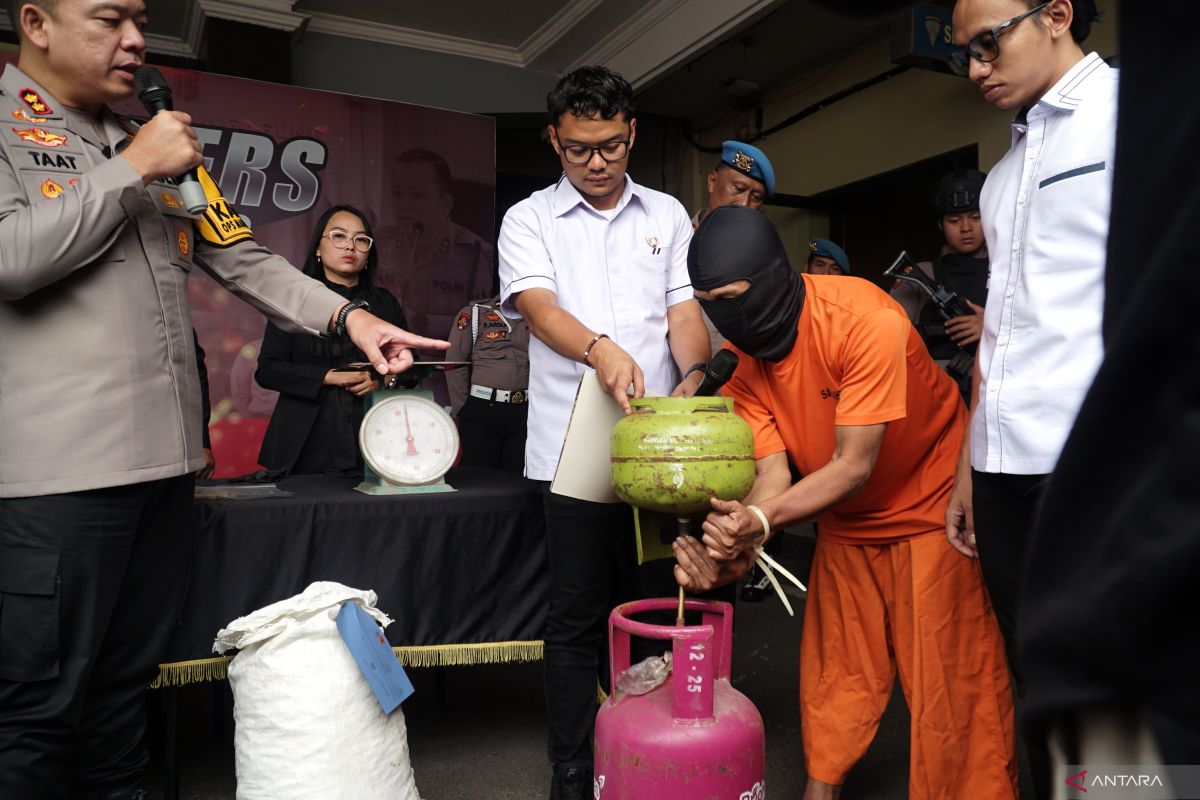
962,268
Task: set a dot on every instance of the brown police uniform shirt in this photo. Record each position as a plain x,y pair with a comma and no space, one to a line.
98,379
499,356
433,274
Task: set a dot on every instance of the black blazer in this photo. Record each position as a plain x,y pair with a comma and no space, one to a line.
295,365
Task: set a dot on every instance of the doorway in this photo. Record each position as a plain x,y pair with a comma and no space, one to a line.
877,217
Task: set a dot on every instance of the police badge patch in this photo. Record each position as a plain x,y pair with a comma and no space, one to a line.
220,224
462,321
743,162
41,136
24,116
51,189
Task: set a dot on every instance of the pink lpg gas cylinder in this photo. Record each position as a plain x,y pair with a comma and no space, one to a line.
693,738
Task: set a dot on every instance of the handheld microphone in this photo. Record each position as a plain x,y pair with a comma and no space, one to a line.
718,373
155,94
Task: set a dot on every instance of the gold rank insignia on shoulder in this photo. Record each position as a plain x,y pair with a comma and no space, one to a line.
41,136
24,116
742,161
170,200
35,102
50,189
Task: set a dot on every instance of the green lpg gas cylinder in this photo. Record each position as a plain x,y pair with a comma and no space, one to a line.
674,453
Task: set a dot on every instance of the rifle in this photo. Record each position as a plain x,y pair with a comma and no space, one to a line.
948,303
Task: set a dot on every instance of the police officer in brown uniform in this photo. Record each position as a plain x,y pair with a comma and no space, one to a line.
490,397
436,264
100,421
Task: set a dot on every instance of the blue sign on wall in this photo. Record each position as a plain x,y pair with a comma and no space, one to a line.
931,32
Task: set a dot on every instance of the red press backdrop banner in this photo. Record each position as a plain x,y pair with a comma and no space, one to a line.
282,155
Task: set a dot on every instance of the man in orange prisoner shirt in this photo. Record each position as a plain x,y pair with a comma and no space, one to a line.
834,377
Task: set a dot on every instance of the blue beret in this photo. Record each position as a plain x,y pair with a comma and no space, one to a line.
827,249
750,161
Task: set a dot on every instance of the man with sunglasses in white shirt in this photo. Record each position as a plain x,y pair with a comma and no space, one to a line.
1045,209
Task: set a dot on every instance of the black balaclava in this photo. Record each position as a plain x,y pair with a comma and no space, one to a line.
738,243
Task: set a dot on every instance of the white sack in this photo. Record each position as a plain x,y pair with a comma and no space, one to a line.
308,726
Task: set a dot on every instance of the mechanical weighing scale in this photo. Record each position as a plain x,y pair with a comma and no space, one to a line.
407,440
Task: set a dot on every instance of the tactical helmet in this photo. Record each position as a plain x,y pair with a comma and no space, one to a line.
958,191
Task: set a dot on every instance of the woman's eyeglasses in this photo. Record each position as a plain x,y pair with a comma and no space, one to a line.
342,240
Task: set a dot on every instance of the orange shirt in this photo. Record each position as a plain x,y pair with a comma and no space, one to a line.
859,361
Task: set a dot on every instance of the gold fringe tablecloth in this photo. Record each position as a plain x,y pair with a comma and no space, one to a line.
182,673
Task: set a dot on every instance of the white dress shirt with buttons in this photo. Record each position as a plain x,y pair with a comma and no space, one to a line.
617,272
1045,215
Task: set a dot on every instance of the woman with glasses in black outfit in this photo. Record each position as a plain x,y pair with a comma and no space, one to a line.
314,428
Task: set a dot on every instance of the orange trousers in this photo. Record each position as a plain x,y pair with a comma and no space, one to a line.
920,608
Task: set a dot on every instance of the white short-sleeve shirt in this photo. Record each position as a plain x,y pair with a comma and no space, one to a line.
1045,209
617,272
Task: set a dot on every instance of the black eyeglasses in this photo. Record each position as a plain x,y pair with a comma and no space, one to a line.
342,240
581,153
985,47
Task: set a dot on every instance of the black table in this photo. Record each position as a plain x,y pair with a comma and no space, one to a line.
463,574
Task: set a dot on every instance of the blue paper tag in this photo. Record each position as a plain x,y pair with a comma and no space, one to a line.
374,656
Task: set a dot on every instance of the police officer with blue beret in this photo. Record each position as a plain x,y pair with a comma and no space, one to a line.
826,258
743,177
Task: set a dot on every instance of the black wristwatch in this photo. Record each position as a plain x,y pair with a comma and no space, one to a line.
699,365
339,327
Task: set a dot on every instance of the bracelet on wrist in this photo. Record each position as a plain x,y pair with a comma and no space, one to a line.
587,351
339,327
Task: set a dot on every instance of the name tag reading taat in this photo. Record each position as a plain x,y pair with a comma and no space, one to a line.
366,642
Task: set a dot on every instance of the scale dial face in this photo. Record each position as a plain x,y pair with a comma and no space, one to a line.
408,440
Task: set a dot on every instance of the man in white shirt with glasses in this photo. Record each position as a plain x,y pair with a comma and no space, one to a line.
1045,209
597,266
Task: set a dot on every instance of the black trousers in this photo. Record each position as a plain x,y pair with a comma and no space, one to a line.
90,589
1005,508
493,434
